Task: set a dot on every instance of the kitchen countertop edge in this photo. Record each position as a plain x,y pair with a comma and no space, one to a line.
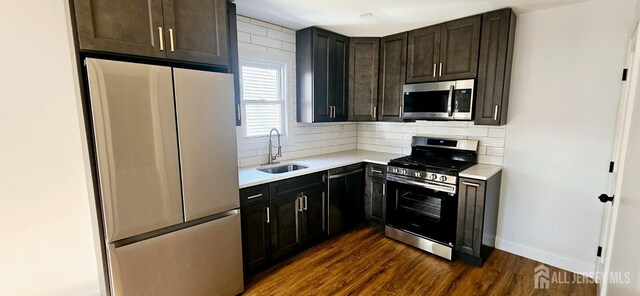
250,176
481,171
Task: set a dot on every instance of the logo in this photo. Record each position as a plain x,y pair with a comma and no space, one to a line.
541,277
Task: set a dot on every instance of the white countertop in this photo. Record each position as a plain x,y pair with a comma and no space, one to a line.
481,171
250,176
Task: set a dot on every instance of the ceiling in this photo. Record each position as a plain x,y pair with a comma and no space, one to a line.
389,16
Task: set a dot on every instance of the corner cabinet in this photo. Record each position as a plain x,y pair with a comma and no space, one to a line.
494,71
191,31
393,61
477,218
363,78
321,75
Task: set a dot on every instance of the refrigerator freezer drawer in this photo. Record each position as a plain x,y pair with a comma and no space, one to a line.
136,146
206,130
205,259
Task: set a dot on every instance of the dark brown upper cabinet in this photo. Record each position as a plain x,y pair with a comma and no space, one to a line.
393,61
190,31
447,51
321,75
363,78
423,54
494,71
459,45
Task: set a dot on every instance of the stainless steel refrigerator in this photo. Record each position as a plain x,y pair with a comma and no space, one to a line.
165,146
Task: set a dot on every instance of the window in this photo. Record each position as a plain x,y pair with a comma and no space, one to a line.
263,97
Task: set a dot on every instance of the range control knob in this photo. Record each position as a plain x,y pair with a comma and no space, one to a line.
405,172
443,178
433,176
395,170
417,174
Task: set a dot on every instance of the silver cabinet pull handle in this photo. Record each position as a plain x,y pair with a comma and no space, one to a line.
471,184
435,67
495,112
239,112
254,196
161,34
441,66
375,111
305,202
299,200
268,215
376,171
400,112
172,45
384,189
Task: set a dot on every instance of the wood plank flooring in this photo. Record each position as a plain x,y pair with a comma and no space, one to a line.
365,262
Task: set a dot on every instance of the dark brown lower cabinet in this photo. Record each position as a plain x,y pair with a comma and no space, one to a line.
374,201
285,221
314,226
477,218
256,236
281,218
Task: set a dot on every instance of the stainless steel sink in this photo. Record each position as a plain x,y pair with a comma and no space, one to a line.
282,168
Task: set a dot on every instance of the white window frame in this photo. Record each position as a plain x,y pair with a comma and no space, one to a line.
278,65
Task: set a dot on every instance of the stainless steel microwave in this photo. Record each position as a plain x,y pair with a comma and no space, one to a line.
446,100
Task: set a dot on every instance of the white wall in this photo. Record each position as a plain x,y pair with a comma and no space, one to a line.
258,39
564,96
395,137
47,241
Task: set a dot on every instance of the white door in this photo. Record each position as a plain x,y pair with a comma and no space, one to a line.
621,258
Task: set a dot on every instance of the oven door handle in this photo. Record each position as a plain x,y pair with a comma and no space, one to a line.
450,100
426,184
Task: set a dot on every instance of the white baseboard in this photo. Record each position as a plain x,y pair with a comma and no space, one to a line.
546,257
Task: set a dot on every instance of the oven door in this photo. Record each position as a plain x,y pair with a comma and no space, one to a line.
428,212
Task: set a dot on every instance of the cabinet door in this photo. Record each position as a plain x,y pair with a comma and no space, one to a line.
423,54
470,216
459,45
286,212
321,48
393,60
363,78
314,206
375,200
338,76
121,26
256,236
196,31
234,63
494,72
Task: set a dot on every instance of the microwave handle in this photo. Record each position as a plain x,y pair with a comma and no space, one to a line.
450,102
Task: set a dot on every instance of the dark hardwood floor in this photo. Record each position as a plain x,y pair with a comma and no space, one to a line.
365,262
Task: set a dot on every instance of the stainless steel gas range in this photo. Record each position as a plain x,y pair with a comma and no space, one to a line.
422,193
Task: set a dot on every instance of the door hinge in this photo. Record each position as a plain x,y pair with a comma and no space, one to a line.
599,251
624,74
611,166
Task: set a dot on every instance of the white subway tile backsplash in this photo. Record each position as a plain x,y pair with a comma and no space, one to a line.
279,35
396,137
252,29
265,24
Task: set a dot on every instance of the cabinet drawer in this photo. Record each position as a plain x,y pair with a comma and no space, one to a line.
378,171
254,195
295,184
